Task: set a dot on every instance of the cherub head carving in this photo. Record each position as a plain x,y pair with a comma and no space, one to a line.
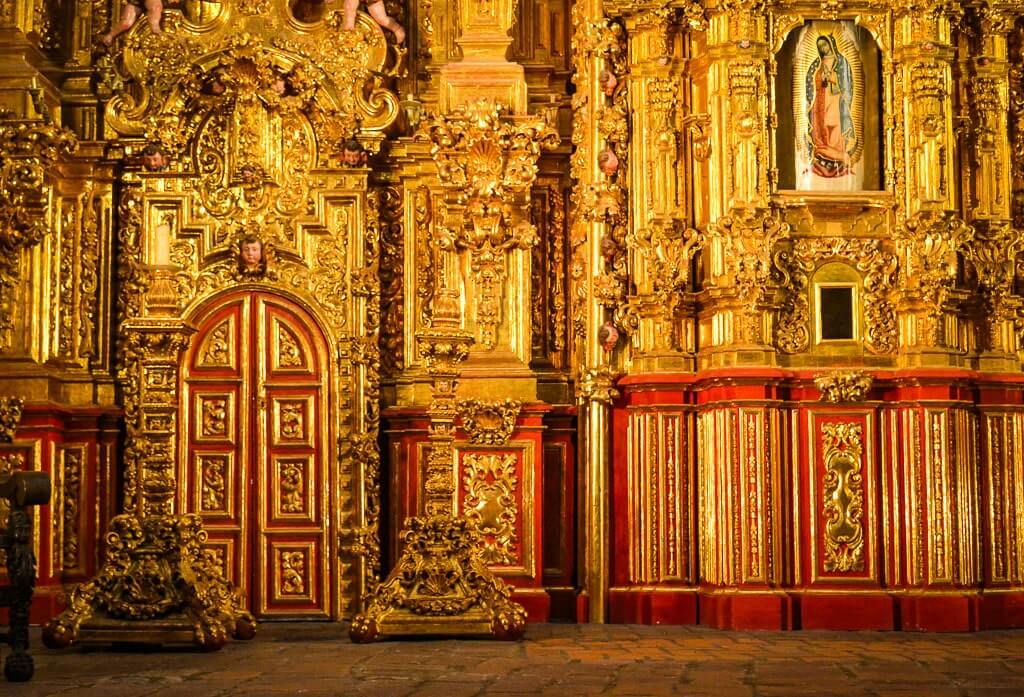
252,260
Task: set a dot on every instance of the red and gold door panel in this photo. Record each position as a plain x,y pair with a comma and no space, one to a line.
257,447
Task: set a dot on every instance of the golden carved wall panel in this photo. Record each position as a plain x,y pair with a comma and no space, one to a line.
69,526
291,422
843,523
495,494
292,484
214,477
843,491
489,503
215,416
659,485
1004,434
740,499
289,352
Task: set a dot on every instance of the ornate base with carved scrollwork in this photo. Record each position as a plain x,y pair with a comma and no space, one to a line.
440,586
156,586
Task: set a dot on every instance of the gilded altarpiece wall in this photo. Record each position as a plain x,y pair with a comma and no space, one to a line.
830,458
732,291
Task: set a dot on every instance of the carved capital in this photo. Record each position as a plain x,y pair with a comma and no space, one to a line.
929,243
748,238
597,385
443,351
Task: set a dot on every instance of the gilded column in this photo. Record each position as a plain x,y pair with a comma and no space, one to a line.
736,327
597,270
660,239
930,232
996,242
30,149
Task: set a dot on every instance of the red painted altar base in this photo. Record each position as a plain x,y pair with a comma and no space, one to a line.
77,448
538,558
742,501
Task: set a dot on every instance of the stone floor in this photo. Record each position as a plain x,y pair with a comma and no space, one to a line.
554,660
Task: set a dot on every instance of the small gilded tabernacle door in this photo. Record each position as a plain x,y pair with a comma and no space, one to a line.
257,448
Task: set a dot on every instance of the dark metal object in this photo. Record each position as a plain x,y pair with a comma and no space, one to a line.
22,490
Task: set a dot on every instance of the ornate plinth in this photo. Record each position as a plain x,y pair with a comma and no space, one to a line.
440,587
156,586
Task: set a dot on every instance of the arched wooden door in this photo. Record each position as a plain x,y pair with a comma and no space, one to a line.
257,445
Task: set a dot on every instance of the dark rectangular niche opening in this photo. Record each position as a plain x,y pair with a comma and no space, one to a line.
835,313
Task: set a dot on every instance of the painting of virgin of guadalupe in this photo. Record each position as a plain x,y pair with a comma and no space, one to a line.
828,95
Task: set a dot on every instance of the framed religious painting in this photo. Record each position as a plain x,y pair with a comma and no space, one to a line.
828,94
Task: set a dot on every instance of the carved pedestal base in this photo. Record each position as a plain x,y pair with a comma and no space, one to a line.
156,586
440,587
